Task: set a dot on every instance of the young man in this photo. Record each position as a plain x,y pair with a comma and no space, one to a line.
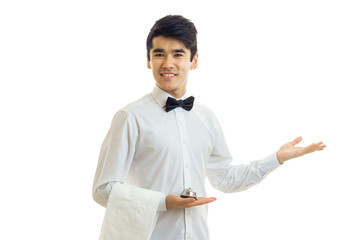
167,142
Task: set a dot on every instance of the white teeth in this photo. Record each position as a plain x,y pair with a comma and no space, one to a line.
168,75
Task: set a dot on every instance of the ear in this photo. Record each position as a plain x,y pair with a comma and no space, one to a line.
194,62
148,62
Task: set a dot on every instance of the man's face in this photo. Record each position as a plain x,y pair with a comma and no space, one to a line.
170,64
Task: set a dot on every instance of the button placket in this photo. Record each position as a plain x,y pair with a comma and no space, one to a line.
179,112
183,138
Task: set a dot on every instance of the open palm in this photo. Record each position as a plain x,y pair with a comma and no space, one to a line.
289,151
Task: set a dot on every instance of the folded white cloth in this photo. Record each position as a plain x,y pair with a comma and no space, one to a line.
131,213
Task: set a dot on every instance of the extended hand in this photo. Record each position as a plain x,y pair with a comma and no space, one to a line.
289,151
175,201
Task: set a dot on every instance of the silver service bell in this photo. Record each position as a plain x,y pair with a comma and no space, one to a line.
188,193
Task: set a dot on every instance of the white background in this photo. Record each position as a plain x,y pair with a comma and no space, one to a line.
270,70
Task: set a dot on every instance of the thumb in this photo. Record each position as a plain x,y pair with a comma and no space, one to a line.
296,141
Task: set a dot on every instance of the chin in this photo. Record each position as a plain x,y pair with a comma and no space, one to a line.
166,87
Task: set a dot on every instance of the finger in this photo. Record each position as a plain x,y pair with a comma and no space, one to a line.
320,147
206,200
296,141
202,201
313,147
209,199
309,148
316,146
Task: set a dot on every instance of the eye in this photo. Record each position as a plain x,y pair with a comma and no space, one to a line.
178,55
159,55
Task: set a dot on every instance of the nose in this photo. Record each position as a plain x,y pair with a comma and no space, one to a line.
168,62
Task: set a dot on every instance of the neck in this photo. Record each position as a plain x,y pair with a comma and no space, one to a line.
177,93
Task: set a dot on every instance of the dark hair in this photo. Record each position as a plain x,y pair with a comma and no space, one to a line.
174,26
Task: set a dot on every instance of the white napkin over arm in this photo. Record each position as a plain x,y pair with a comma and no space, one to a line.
131,213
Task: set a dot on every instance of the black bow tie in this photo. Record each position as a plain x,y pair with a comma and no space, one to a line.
186,104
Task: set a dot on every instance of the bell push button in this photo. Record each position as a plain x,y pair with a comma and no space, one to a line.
188,193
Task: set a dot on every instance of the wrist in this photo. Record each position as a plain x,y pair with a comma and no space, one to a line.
279,158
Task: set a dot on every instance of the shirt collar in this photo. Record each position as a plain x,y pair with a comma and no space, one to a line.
160,96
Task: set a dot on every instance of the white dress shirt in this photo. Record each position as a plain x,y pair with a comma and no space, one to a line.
168,152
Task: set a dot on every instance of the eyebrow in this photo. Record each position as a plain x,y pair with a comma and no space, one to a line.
156,50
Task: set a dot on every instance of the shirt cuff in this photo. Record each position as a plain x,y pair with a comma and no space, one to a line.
269,163
162,204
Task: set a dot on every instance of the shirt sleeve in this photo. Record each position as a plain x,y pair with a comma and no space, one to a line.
226,177
116,155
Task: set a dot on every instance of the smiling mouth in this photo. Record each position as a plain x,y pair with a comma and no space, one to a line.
168,76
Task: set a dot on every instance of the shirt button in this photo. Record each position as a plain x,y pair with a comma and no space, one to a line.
188,236
187,165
